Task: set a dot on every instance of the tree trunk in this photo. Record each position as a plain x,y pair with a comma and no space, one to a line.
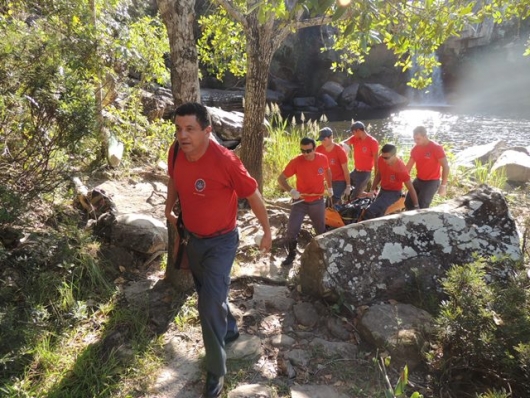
259,52
179,16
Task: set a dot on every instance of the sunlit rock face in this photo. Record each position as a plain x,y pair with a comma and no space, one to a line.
394,256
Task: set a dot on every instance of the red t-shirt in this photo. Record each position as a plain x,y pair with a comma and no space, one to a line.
208,189
427,158
336,158
310,175
392,176
363,152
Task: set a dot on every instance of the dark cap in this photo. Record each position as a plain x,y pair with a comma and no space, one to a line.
325,132
357,126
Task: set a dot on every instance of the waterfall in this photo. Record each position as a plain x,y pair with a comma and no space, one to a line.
431,95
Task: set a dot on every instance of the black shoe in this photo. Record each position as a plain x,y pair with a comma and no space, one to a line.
213,386
288,261
231,336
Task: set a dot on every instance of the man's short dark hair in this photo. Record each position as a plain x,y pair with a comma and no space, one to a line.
357,126
307,141
194,108
420,130
389,148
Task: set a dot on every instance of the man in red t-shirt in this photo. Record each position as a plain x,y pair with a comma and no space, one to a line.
365,152
429,157
338,164
392,174
208,179
312,175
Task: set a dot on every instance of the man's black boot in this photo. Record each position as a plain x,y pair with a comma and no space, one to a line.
292,254
213,386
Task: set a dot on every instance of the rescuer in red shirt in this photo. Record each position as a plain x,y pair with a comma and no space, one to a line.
392,174
431,165
208,179
313,176
365,152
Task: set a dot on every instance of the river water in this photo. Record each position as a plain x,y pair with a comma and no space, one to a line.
456,131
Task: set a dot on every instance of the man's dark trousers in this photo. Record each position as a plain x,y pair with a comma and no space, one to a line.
211,260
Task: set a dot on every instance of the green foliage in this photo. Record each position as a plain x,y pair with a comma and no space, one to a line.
483,174
484,327
52,56
221,47
143,139
399,390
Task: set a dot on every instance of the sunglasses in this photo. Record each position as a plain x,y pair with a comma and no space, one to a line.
387,157
306,150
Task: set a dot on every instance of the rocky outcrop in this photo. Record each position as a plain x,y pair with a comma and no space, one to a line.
378,259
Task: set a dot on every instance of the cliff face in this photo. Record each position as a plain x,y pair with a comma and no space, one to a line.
468,64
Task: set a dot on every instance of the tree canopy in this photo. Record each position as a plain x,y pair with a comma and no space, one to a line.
241,36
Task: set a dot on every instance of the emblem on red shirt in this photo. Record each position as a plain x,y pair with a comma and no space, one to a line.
200,184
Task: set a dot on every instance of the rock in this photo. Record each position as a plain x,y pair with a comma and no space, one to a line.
227,125
349,95
484,154
245,347
304,102
331,349
306,314
329,102
251,391
229,100
282,341
299,357
138,232
286,88
156,105
377,259
332,89
337,328
379,96
401,329
514,164
276,297
315,391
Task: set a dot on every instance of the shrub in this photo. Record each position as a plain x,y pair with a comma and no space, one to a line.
483,330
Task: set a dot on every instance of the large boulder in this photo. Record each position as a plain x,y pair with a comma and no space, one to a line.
349,95
333,89
387,257
486,153
227,125
379,96
515,164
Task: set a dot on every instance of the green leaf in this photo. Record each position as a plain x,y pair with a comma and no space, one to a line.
338,14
